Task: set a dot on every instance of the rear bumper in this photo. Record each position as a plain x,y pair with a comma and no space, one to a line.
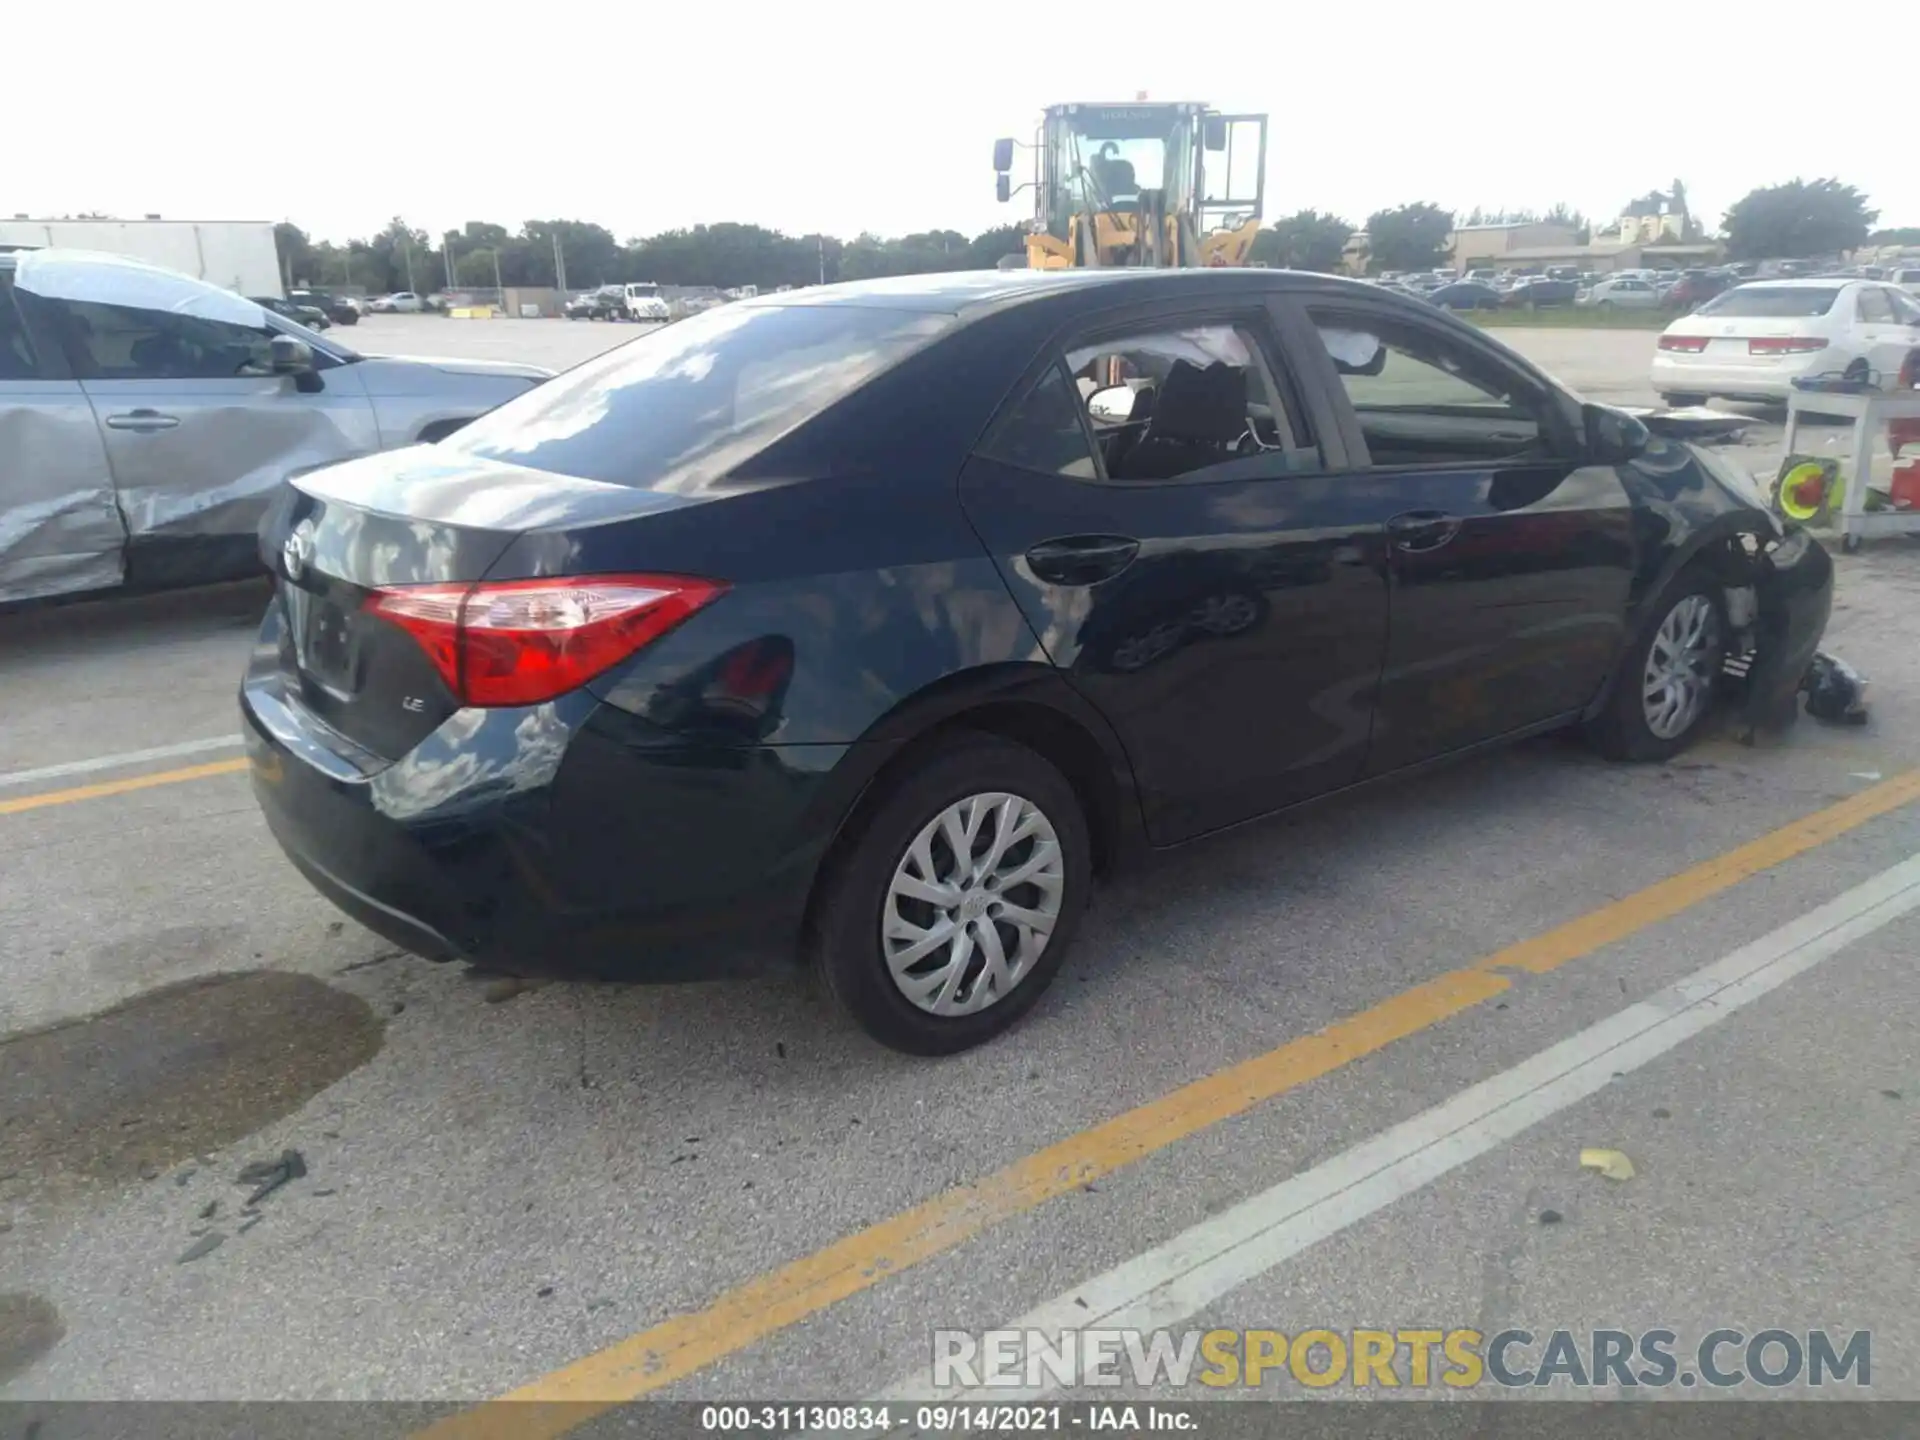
1682,374
552,841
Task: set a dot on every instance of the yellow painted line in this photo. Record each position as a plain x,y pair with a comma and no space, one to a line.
678,1347
121,787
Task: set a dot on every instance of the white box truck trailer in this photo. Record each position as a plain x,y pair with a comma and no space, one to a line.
236,254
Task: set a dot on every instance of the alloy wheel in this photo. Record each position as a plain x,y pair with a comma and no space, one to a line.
973,903
1679,679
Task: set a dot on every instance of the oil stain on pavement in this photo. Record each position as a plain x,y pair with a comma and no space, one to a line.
170,1074
29,1328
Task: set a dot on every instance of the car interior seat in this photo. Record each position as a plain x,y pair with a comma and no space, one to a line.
1197,420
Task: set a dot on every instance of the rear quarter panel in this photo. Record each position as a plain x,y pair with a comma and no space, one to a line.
409,397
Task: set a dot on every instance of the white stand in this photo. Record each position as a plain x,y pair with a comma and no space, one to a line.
1869,412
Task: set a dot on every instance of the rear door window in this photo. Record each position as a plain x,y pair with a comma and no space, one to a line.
1167,400
700,397
1874,308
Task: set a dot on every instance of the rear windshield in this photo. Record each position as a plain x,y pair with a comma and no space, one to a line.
1772,302
696,399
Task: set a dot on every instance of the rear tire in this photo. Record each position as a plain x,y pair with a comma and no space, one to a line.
874,901
1660,705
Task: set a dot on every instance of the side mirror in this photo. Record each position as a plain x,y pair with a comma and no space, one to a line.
1614,437
1113,404
1003,156
1002,187
291,355
295,357
1216,133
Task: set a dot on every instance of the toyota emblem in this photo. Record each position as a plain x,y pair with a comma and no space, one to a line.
298,550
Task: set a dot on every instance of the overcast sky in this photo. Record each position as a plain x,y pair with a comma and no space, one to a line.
844,117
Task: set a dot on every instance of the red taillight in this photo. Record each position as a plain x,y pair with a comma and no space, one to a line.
1786,345
1685,344
521,642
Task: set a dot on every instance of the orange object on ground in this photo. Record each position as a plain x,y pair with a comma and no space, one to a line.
1902,433
1904,492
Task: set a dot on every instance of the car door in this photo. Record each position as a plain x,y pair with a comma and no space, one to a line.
1163,504
1510,553
60,530
199,430
1879,332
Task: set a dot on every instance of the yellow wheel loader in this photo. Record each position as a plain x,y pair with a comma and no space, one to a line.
1141,184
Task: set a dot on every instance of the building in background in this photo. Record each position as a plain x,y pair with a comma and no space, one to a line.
1491,247
238,255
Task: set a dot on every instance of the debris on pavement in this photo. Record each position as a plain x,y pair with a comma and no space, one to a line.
29,1328
270,1175
1613,1164
505,987
204,1246
1835,691
209,1210
1550,1217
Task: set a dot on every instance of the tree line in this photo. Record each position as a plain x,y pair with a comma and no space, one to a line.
1799,219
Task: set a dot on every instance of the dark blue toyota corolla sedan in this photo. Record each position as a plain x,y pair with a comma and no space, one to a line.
871,623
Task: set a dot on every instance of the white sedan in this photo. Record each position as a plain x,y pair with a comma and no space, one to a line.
401,302
1622,292
1753,341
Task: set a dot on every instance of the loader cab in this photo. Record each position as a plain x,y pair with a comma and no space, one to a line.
1105,175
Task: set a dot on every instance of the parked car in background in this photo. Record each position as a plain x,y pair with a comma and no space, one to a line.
311,316
1753,341
1465,295
606,303
1539,290
590,688
1907,277
1695,288
1622,292
339,310
401,302
146,418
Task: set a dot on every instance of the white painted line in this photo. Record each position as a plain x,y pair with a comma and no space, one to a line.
117,762
1174,1281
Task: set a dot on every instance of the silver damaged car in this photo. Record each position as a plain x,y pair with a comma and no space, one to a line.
146,419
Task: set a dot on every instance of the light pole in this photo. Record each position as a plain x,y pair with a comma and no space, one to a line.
451,281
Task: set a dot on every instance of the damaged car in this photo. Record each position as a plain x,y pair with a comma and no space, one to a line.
146,418
871,623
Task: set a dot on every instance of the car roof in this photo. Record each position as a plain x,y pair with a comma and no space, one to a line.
1804,282
964,292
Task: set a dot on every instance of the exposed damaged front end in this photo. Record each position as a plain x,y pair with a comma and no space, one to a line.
1777,587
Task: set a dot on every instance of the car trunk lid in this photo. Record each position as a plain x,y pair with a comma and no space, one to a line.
338,536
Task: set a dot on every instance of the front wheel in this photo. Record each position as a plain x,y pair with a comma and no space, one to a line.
954,902
1663,693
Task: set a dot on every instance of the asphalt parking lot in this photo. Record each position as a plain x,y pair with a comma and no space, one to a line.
1288,1078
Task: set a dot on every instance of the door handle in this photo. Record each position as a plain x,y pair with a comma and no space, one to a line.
1421,530
142,420
1081,559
